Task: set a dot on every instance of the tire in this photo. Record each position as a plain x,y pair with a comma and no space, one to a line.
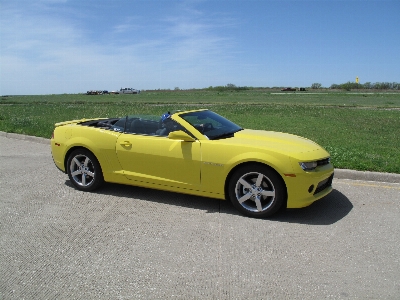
84,170
257,191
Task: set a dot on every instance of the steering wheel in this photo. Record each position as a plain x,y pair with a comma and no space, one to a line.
207,127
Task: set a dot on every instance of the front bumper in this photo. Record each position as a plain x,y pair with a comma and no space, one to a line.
308,187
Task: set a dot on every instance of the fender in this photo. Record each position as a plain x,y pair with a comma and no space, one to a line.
215,170
100,142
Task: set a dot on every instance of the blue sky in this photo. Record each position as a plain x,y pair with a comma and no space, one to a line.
71,46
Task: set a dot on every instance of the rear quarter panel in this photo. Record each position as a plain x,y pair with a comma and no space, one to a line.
99,141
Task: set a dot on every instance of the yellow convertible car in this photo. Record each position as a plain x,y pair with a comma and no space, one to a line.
197,152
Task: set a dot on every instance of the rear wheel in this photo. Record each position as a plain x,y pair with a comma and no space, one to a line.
84,170
257,191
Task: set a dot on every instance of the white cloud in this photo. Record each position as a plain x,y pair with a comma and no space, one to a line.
42,53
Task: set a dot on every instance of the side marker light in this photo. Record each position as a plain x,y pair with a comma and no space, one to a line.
290,175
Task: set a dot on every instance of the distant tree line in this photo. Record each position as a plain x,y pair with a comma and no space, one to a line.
343,86
368,86
228,87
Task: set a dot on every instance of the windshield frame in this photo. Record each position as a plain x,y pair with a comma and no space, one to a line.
220,127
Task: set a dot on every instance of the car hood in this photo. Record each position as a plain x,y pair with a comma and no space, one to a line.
284,143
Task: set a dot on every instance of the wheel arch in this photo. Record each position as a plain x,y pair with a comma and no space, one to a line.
256,163
72,149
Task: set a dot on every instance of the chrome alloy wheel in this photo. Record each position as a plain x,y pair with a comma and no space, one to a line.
82,170
255,192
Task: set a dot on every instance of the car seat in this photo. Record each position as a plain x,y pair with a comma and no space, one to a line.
137,126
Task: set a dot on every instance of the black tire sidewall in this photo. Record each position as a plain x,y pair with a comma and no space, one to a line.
280,190
98,179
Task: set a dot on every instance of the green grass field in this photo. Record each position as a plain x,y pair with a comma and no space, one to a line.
360,130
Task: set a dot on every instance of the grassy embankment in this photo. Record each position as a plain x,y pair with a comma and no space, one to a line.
360,130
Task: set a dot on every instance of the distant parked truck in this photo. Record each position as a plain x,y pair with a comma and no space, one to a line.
93,92
129,91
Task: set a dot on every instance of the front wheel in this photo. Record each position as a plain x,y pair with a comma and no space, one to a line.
257,191
84,170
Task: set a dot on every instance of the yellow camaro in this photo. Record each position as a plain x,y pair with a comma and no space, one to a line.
196,152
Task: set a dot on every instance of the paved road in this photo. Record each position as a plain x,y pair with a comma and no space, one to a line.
125,242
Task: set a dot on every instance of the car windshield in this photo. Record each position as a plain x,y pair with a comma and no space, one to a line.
211,124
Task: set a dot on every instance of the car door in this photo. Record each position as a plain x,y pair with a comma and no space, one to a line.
160,160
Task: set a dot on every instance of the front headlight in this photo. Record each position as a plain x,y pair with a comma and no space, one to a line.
308,166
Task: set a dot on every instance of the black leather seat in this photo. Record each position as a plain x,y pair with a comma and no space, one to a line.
137,126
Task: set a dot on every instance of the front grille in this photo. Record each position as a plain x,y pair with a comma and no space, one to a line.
324,184
324,162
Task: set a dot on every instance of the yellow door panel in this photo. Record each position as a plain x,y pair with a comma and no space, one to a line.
159,160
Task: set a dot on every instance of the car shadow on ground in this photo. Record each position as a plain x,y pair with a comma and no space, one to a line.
325,211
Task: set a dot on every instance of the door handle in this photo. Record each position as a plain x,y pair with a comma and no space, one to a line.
126,144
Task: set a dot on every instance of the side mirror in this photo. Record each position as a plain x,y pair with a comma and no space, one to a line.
180,135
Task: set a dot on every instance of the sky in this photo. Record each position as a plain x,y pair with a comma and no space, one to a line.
72,46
